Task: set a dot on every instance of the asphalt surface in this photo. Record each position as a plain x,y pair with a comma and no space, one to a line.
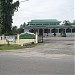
55,57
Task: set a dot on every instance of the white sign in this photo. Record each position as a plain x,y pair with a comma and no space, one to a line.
10,38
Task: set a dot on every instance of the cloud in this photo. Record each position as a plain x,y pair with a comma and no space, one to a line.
43,9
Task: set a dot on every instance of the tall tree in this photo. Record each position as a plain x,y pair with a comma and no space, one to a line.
21,29
66,23
14,30
7,9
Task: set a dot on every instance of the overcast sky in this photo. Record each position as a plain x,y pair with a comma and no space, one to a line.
44,9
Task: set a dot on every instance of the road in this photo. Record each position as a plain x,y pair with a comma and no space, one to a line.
51,58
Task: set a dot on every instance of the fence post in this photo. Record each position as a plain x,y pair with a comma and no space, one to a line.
18,38
3,40
36,36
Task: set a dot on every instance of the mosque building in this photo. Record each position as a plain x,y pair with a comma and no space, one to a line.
50,27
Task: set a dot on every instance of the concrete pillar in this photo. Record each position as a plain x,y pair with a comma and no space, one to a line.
58,30
71,31
36,36
3,39
38,31
65,30
50,30
43,31
18,38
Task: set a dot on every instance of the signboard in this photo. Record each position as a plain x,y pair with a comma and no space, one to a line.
10,38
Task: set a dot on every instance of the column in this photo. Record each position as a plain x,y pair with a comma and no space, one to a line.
58,30
18,38
36,36
2,37
43,31
38,31
50,30
71,31
65,30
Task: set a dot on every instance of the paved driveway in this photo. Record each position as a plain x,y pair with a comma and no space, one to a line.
54,57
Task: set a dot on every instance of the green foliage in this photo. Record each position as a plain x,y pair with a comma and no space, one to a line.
67,23
14,30
20,30
27,36
10,47
7,9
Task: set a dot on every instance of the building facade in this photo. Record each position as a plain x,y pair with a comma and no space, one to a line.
50,27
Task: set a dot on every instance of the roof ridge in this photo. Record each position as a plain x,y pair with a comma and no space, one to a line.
43,19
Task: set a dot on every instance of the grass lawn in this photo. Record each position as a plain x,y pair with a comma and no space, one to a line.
13,47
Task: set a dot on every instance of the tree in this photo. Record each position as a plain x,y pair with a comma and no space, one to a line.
21,30
7,9
66,23
14,30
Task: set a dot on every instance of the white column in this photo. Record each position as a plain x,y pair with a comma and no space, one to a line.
65,30
50,30
43,31
18,38
3,39
38,31
58,30
71,31
36,36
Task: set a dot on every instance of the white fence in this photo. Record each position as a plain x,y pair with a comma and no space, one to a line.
12,40
7,37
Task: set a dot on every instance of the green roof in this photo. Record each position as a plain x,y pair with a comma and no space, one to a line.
48,26
45,20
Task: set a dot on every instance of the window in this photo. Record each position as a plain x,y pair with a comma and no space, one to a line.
32,24
45,24
38,24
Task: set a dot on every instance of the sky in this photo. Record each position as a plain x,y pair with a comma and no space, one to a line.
44,9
